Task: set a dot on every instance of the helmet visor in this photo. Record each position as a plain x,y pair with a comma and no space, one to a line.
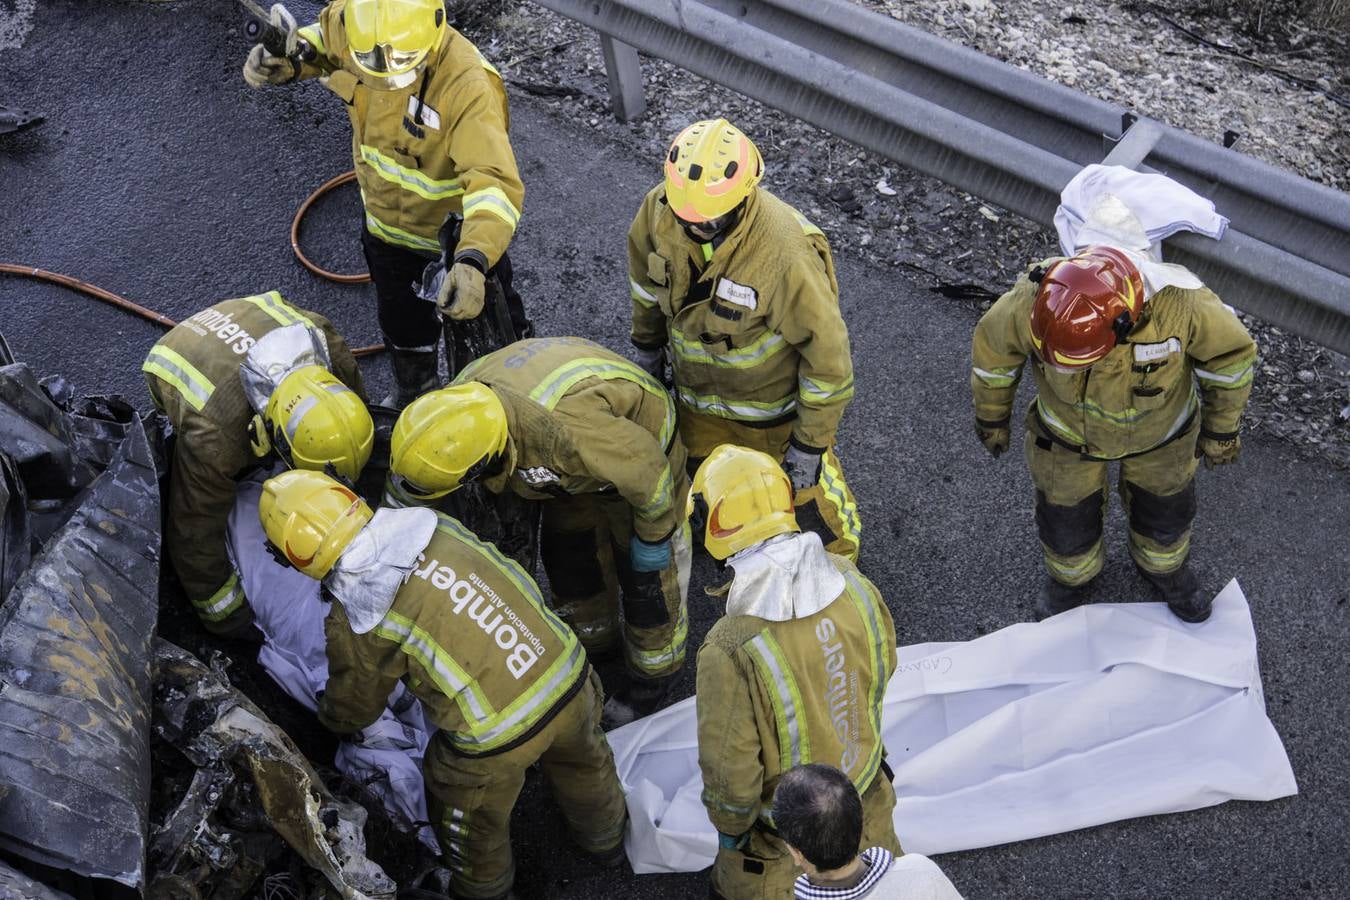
383,59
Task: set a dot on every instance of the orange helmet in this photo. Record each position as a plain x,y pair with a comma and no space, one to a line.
1085,306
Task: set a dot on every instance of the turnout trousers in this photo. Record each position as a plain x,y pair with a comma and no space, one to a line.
1157,488
584,547
763,869
827,507
470,799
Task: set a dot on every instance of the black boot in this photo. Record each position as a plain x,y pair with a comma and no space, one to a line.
1181,591
1057,597
415,373
639,697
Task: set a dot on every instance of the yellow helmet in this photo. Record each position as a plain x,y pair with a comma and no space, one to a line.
445,438
746,498
313,420
311,518
710,169
392,37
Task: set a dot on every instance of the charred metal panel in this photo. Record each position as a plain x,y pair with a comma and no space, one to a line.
17,885
75,637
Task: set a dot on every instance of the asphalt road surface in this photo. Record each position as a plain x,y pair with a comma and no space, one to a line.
161,176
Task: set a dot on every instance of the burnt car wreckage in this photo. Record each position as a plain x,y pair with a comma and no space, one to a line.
128,766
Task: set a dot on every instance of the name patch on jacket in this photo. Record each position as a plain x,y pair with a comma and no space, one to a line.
429,116
739,294
1145,353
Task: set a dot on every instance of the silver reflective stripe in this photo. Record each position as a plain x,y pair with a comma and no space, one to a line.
729,409
1223,379
180,379
224,601
816,391
640,293
430,188
997,379
760,645
297,415
430,655
542,697
741,357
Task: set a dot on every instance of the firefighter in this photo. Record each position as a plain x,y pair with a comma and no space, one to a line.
739,289
567,421
794,673
429,138
505,682
1117,368
241,382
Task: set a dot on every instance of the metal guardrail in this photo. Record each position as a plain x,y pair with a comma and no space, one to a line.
1001,133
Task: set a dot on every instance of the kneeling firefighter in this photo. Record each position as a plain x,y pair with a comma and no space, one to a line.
418,597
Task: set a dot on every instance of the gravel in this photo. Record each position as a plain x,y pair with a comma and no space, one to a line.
967,250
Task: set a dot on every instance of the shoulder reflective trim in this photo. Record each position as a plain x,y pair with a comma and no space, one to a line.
754,353
998,378
530,706
392,235
793,744
865,601
170,366
662,660
512,570
645,297
409,179
1052,421
555,385
744,410
492,200
1236,376
832,483
812,391
448,675
280,311
314,34
224,602
807,226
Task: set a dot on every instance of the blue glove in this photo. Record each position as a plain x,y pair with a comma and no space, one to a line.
649,557
732,841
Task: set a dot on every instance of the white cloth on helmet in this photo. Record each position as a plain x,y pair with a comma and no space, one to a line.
375,564
1102,713
1133,212
276,355
289,611
785,577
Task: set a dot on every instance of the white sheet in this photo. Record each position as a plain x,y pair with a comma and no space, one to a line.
1106,712
288,610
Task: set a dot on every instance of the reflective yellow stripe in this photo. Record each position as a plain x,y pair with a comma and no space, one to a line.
661,500
812,391
492,200
223,603
392,235
555,385
409,179
865,601
1235,376
173,369
707,252
661,660
743,410
445,672
832,484
749,356
280,311
1078,569
785,697
998,378
640,294
1160,560
807,227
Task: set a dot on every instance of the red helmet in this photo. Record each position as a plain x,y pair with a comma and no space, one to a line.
1085,306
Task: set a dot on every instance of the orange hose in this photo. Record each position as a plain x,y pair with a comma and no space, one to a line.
330,184
123,303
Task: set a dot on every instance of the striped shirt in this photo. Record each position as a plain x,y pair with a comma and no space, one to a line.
877,860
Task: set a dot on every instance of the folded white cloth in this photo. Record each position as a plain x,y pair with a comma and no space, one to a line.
1103,713
1134,212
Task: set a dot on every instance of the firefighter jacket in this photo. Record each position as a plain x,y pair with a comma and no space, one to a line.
1140,395
193,376
465,627
795,673
438,146
583,420
752,321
